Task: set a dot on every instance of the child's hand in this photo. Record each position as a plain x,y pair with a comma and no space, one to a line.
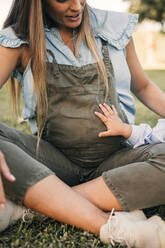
114,124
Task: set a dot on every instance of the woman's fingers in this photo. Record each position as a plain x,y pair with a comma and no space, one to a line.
4,170
2,195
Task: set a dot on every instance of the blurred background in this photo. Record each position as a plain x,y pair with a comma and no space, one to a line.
150,34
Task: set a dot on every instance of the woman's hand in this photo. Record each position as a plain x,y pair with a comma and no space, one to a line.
113,123
5,172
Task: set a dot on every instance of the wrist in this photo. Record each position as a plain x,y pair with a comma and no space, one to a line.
127,130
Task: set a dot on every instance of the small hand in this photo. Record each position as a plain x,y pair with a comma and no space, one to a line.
113,123
5,172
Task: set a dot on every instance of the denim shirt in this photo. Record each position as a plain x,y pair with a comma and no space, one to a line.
114,27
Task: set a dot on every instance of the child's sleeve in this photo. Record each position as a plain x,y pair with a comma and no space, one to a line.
140,135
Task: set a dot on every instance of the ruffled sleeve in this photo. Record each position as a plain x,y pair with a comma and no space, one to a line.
114,27
8,38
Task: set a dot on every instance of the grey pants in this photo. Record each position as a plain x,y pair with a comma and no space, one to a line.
135,176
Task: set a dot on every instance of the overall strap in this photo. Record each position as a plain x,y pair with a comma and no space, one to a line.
51,54
106,58
54,61
109,69
114,97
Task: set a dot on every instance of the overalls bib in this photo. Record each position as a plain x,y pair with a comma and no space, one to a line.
74,94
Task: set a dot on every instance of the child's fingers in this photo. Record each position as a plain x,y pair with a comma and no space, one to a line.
109,109
114,110
104,134
105,111
101,116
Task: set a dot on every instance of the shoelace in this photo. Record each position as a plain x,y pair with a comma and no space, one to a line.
121,240
110,217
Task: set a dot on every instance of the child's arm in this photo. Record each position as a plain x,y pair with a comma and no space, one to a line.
113,123
135,135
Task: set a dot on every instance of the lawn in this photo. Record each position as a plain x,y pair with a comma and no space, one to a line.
47,233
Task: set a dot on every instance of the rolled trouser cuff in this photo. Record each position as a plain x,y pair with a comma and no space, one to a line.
27,171
139,185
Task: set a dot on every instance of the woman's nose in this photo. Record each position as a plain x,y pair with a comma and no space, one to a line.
75,5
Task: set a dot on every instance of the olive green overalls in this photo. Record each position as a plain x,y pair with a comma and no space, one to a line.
71,148
74,94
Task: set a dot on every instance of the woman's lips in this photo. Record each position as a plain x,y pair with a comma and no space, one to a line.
74,18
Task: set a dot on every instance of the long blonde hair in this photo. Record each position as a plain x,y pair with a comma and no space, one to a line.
27,18
86,34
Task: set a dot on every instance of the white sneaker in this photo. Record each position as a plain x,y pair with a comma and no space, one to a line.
161,228
125,230
135,215
11,214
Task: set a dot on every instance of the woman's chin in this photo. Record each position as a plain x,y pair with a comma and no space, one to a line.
71,23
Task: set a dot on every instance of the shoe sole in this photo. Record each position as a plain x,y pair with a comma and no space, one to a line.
161,229
161,233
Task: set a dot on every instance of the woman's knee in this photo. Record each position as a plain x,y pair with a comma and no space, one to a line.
157,151
157,156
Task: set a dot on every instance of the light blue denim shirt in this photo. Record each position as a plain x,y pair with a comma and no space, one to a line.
114,27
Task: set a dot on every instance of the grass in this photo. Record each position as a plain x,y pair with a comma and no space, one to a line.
143,114
47,233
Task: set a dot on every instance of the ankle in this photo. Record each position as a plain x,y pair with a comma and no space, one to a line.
101,222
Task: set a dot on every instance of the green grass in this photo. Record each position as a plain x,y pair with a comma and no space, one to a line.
47,233
143,114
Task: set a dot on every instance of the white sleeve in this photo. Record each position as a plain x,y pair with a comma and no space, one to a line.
158,133
140,135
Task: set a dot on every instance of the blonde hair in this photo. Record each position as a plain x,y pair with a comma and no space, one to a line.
25,24
86,34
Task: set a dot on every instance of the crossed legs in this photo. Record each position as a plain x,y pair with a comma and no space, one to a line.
55,199
81,205
42,190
